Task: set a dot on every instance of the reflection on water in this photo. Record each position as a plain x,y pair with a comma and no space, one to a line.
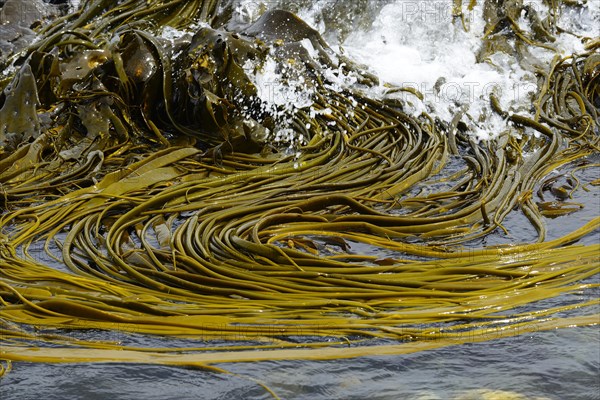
563,364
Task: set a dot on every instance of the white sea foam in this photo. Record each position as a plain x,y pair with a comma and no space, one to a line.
425,49
419,45
282,91
74,5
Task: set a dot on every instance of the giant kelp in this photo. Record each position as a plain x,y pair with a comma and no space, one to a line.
142,191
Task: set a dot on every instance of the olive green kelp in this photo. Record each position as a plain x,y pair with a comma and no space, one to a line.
142,191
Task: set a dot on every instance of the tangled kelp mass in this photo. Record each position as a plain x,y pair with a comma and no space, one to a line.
147,187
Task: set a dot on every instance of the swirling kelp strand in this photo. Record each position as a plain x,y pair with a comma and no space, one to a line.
590,271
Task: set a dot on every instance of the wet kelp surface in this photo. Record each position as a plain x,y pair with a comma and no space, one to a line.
143,191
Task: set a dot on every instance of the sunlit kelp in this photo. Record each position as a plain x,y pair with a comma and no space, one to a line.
144,169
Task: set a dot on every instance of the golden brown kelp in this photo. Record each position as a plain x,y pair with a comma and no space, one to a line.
141,194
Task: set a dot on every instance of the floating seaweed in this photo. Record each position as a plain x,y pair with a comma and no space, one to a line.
142,191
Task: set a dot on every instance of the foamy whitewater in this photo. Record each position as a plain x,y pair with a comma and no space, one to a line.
420,46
